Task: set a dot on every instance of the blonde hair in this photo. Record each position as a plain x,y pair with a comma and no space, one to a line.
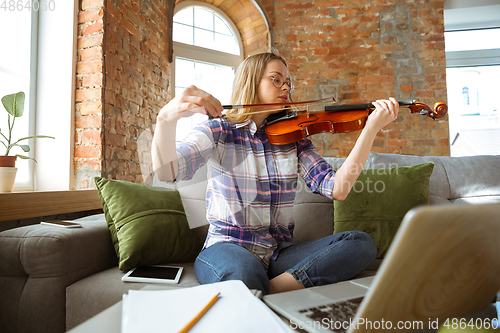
246,84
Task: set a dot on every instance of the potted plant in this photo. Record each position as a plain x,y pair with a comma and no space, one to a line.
14,104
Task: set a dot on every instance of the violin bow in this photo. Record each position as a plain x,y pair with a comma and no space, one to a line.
242,106
279,105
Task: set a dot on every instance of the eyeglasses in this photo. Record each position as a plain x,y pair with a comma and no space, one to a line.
279,82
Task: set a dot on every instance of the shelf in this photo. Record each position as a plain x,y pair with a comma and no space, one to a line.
23,205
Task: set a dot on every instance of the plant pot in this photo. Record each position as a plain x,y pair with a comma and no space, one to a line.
7,173
8,161
7,179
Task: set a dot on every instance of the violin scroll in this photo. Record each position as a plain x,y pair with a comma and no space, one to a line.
439,111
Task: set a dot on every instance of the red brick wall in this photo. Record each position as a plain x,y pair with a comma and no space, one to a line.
137,83
362,50
356,51
122,82
89,131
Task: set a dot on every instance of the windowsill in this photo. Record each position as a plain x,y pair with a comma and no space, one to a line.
23,205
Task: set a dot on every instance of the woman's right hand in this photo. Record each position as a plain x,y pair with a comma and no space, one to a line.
191,100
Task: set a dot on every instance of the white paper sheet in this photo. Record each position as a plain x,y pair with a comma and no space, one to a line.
237,310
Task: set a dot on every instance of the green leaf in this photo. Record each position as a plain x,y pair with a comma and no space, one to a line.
14,104
35,137
26,148
26,157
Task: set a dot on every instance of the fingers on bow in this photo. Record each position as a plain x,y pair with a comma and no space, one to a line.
198,100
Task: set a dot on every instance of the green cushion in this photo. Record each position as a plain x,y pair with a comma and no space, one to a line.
379,200
148,225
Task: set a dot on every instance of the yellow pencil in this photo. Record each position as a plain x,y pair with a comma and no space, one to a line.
199,315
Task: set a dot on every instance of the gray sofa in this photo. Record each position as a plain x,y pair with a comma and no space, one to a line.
52,279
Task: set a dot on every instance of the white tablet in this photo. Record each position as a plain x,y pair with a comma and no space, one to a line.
154,274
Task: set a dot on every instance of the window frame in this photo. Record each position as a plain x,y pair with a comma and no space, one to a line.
198,53
32,101
29,112
52,98
462,16
55,30
58,30
472,58
458,17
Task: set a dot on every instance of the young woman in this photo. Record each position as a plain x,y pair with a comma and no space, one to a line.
251,184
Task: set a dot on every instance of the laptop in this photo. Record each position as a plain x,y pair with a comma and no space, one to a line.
444,262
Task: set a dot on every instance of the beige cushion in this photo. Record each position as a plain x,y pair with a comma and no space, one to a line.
89,296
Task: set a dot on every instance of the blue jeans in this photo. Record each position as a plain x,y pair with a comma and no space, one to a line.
318,262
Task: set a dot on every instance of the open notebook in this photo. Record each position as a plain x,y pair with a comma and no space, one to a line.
444,262
154,309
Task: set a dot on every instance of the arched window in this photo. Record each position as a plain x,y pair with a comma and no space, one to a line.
202,26
207,51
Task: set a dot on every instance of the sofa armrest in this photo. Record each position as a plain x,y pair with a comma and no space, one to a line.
38,262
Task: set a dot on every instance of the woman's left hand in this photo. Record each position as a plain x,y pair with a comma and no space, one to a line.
386,111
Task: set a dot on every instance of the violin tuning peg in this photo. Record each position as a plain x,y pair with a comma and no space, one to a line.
426,113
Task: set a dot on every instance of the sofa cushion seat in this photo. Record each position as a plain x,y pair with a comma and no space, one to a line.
93,294
89,296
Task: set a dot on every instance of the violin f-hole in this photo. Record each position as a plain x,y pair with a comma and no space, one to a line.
306,122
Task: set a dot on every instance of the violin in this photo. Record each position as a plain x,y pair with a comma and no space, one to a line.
336,119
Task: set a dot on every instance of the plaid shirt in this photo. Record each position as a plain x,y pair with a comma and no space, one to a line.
251,183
